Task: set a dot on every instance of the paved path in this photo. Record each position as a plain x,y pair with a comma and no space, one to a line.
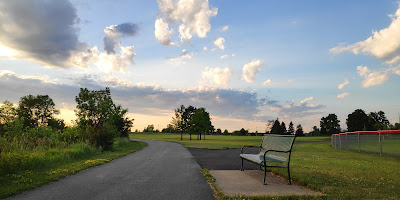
163,170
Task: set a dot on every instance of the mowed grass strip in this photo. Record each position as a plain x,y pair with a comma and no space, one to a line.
58,163
214,141
338,174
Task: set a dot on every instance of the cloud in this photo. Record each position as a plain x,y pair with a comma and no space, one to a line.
341,86
113,34
297,111
163,33
138,98
306,100
192,17
181,58
376,77
224,28
218,76
219,42
267,82
251,69
383,44
224,56
205,48
343,95
34,33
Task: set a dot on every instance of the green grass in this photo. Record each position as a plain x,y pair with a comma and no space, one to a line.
214,141
338,174
50,165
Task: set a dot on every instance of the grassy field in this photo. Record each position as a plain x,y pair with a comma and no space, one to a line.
338,174
50,165
214,141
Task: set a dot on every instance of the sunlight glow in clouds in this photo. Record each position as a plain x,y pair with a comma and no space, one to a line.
342,85
192,16
219,42
218,76
343,95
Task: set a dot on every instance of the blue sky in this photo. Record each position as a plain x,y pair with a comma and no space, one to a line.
246,63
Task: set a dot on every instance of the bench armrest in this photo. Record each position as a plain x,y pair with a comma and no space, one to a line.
247,146
265,153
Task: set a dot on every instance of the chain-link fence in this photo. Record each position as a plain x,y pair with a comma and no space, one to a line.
378,142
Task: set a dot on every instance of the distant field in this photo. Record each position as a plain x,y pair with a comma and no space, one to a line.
214,141
339,174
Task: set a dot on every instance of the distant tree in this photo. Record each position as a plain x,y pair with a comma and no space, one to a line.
149,129
182,117
200,122
243,131
36,110
299,131
276,127
169,129
283,129
378,121
290,129
358,121
225,132
219,131
330,124
315,131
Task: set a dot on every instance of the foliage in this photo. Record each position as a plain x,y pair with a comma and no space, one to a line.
169,129
226,132
290,129
200,122
330,125
219,131
299,130
358,121
283,128
149,129
36,110
8,112
378,120
276,127
100,118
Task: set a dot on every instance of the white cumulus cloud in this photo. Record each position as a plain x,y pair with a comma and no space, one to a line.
224,28
342,85
192,17
343,95
372,78
267,82
251,69
219,42
306,100
224,56
218,76
163,33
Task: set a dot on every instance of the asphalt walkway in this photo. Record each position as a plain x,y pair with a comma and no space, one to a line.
163,170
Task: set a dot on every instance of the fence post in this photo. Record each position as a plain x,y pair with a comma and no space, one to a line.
340,142
380,143
359,149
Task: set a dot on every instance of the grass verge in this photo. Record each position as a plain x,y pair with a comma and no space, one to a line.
54,164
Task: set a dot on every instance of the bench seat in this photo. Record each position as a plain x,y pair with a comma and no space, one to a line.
258,158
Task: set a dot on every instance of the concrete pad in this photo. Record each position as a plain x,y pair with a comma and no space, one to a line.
250,182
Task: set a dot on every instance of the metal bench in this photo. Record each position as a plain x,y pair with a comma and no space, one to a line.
274,149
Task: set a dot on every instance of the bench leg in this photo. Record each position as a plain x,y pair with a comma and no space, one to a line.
265,173
288,171
241,168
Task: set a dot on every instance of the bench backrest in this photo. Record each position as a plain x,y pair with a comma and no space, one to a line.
277,142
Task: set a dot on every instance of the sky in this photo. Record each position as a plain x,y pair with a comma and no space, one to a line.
246,62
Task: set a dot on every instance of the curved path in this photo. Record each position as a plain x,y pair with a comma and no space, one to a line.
163,170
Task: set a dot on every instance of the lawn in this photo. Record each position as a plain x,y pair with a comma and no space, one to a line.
338,174
51,165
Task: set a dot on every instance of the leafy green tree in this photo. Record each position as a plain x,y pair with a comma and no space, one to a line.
169,129
330,124
315,131
100,118
299,131
276,127
200,122
149,129
358,121
36,110
243,131
378,120
8,112
226,132
290,129
219,131
182,117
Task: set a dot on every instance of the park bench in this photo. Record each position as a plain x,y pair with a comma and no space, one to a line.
275,151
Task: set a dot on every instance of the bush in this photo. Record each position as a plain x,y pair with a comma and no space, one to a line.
102,136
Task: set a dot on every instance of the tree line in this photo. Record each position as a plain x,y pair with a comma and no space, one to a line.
280,128
358,120
99,120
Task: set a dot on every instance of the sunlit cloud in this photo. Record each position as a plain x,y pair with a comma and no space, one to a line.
219,42
372,78
224,28
181,59
343,95
342,85
224,56
267,82
217,76
251,69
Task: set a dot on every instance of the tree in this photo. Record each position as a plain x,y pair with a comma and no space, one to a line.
276,127
226,132
315,131
7,112
36,110
290,129
149,129
243,131
378,121
200,122
283,128
100,118
358,121
299,131
219,131
330,124
182,117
